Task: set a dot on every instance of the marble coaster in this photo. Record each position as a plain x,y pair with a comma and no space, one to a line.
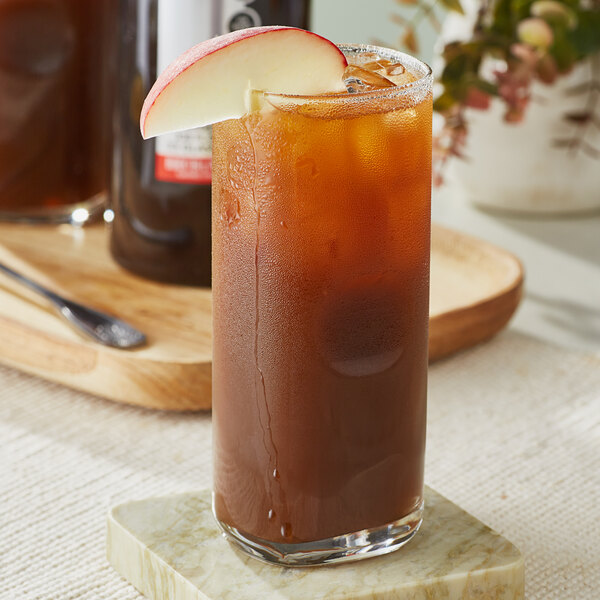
171,548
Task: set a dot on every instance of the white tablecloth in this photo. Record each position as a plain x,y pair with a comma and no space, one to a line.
514,438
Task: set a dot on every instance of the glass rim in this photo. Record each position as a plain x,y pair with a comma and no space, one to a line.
417,67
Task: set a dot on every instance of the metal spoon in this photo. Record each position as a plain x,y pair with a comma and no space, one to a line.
101,327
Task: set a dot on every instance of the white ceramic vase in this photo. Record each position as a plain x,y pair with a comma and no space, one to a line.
544,164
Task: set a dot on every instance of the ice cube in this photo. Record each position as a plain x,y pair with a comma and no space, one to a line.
394,69
365,57
398,74
358,79
354,85
378,66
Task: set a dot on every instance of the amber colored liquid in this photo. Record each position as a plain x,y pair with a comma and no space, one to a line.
55,101
321,233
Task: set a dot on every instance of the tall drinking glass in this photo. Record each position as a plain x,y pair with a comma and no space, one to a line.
321,225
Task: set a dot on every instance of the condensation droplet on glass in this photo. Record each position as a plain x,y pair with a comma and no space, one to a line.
286,530
230,210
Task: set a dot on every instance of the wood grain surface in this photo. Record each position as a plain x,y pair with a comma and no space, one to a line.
475,288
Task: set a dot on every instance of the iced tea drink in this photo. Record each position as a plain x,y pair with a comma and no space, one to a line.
321,225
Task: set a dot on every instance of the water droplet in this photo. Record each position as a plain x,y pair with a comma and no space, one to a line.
275,474
282,223
272,514
230,209
286,530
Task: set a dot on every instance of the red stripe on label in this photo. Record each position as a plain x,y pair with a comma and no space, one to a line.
179,169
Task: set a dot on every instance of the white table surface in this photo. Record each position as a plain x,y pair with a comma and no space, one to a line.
561,256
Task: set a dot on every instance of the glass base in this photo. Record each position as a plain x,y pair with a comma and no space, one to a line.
342,548
78,214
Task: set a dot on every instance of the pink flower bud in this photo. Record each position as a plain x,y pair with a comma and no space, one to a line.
477,99
535,32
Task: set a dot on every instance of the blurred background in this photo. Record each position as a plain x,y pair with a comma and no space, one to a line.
516,150
369,22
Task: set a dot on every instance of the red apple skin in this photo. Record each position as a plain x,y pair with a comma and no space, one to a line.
203,49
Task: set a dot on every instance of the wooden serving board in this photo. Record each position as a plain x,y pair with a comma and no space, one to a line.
475,289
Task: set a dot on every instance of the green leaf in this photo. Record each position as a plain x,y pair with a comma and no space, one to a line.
453,5
585,38
464,62
522,9
444,102
563,50
503,21
571,3
485,86
451,51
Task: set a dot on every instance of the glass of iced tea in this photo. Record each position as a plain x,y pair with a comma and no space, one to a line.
321,226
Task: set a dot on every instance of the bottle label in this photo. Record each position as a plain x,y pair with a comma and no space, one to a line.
185,156
238,14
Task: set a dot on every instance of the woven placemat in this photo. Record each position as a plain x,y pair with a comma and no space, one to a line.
514,438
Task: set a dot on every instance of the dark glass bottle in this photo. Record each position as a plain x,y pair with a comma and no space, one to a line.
161,188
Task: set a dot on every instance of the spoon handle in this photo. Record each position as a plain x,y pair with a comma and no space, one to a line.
36,287
100,327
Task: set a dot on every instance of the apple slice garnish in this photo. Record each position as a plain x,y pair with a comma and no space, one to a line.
211,81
